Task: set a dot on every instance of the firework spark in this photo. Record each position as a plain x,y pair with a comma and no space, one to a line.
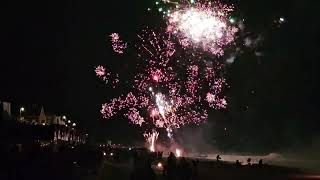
107,77
118,45
151,138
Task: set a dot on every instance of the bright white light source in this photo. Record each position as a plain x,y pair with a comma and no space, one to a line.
178,152
281,19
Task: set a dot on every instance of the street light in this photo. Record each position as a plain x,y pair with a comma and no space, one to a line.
74,124
69,121
64,117
21,110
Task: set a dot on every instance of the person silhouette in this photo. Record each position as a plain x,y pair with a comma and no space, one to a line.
218,158
238,164
260,163
148,171
249,161
184,170
195,169
144,171
171,166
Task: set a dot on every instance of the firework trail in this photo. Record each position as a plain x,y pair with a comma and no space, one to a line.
151,138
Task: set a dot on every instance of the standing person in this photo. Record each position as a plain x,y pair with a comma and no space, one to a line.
260,163
148,171
249,161
184,170
143,171
195,169
238,164
171,166
218,158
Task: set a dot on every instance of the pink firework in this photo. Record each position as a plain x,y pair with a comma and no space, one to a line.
168,88
100,71
118,45
107,77
203,25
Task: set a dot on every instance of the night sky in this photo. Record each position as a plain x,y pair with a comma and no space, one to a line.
50,49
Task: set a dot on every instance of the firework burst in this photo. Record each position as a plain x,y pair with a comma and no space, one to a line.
167,90
202,25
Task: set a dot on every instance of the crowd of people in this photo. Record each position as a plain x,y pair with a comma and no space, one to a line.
239,164
69,162
174,168
180,169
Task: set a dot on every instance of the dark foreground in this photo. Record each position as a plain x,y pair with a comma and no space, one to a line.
210,170
85,163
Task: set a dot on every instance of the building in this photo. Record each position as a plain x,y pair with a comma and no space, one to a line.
5,110
36,115
29,126
50,126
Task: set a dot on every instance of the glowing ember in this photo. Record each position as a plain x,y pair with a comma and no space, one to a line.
159,165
